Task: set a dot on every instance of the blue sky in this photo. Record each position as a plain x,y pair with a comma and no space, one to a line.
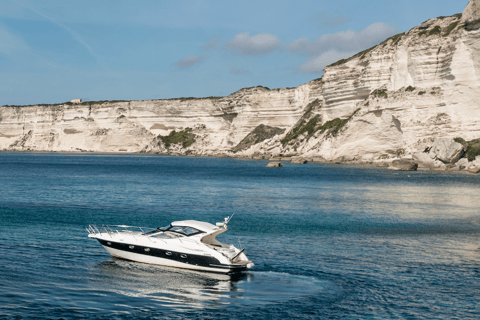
53,51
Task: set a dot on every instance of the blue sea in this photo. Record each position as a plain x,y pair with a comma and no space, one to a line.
328,241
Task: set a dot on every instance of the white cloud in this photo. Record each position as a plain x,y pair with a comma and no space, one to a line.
189,61
242,44
333,47
212,44
239,70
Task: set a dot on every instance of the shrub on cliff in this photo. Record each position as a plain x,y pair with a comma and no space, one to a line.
259,134
311,127
380,93
472,147
185,137
312,105
301,128
435,30
395,39
473,150
450,28
258,87
336,124
472,25
410,89
338,63
102,102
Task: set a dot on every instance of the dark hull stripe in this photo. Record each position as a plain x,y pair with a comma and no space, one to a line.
189,259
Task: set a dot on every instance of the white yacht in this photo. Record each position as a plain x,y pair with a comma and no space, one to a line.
186,244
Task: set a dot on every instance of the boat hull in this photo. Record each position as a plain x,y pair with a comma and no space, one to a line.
169,258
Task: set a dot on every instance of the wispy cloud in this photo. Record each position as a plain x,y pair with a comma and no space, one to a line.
328,20
243,44
10,44
189,61
72,33
239,70
332,47
212,44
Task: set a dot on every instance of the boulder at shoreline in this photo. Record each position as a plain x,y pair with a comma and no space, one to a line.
403,165
474,169
299,160
447,150
275,165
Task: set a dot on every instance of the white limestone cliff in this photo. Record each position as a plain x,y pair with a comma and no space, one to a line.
218,123
410,90
471,12
390,101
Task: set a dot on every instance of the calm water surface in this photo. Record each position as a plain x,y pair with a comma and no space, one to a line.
337,242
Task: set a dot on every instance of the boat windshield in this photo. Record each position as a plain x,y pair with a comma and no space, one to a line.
173,232
156,230
188,231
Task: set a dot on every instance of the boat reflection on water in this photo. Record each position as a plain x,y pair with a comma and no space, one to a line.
183,289
187,288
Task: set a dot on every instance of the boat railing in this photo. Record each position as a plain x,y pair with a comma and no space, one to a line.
111,229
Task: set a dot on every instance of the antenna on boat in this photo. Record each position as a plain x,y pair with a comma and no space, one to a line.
227,219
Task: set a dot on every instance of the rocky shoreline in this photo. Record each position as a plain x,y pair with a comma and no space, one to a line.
409,163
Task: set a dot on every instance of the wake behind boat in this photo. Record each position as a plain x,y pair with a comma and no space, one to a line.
186,244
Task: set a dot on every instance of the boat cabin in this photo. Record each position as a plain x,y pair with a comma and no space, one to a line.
189,228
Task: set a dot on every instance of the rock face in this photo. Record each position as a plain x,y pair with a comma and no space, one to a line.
472,11
385,103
